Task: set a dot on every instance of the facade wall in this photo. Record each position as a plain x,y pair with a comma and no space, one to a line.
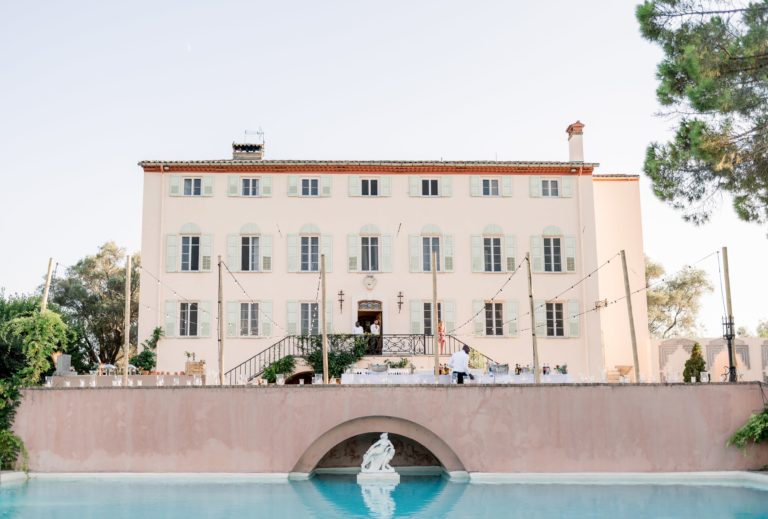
398,217
567,428
750,354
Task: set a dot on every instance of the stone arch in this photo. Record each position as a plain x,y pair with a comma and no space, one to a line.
670,346
325,442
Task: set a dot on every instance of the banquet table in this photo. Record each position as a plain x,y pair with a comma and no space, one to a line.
428,377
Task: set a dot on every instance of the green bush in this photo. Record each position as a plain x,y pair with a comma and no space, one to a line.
339,358
695,365
13,454
283,366
755,431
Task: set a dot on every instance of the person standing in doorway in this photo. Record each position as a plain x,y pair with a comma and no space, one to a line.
376,336
358,329
459,364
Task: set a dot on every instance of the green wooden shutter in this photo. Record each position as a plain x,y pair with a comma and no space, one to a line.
510,246
265,318
326,247
573,317
233,185
414,184
535,186
414,243
417,316
204,315
265,248
293,252
386,253
566,184
353,252
293,185
511,317
325,185
477,253
233,318
478,319
171,253
540,317
206,252
385,186
329,316
446,186
474,186
174,186
448,253
292,317
171,310
506,185
233,259
354,185
449,315
537,254
208,185
266,185
570,254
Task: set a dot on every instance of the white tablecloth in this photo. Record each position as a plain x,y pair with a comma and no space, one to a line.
427,377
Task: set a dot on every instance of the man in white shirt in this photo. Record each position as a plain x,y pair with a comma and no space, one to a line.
459,364
358,329
375,344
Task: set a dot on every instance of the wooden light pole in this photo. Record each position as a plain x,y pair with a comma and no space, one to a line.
435,339
536,375
631,315
221,325
322,319
127,324
44,302
728,323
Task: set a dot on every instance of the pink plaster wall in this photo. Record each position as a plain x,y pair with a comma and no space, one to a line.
477,428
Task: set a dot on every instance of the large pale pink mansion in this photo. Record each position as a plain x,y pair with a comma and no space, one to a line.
377,223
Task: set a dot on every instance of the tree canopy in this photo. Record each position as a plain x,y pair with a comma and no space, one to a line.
674,302
92,297
713,80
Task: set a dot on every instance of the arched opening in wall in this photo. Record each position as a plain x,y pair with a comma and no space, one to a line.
410,456
296,378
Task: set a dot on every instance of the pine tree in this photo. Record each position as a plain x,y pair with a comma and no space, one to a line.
695,365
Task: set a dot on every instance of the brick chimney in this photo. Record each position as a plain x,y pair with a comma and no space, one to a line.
575,143
246,151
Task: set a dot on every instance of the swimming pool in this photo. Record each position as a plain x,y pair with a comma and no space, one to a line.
340,496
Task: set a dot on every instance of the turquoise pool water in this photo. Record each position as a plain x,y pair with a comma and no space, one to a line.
340,496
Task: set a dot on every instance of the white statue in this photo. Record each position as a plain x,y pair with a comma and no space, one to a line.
378,456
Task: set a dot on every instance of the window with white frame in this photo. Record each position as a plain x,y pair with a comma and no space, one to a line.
310,254
555,324
428,316
492,254
249,253
430,187
250,186
309,322
190,253
369,187
310,187
188,319
249,319
369,249
553,259
494,325
193,186
490,187
430,244
550,187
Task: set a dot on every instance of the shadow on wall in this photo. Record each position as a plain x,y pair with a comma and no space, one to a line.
349,453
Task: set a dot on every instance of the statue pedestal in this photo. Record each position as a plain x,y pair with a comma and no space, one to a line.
378,478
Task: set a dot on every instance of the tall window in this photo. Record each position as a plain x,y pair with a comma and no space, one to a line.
490,187
309,320
310,253
429,187
493,322
188,319
553,260
249,253
190,253
193,186
370,253
369,187
309,187
250,187
492,254
429,245
550,187
428,316
249,319
555,327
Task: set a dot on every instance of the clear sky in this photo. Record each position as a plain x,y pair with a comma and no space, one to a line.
87,89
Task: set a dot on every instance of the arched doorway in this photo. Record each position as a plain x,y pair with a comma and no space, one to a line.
349,453
295,379
368,312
